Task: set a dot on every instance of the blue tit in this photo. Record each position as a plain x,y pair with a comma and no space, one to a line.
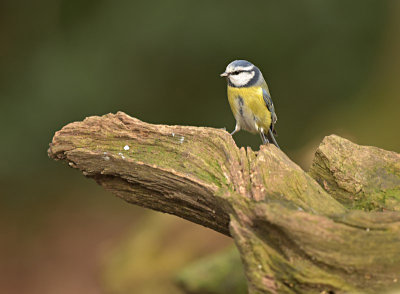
250,100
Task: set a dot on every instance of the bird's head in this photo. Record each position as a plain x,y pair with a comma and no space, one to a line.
241,73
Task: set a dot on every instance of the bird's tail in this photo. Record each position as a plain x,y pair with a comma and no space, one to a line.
271,138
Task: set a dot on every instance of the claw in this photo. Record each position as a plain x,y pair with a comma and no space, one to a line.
237,128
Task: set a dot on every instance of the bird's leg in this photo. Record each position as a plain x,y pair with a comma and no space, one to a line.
263,138
237,128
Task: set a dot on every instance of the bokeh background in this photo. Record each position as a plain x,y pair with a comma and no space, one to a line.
333,66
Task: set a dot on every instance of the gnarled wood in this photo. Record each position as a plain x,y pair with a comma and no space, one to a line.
293,235
358,176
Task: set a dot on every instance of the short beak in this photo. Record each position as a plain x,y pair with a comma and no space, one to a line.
225,74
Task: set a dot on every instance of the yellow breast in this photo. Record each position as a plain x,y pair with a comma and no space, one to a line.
249,108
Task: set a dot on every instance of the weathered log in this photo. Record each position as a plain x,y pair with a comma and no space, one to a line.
293,235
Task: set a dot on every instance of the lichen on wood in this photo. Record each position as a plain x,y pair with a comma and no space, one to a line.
296,232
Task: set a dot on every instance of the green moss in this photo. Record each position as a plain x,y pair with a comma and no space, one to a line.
379,201
168,154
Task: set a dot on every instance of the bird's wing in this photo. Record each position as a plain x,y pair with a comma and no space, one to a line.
271,108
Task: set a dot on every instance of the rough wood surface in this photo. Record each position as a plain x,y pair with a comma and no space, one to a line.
358,176
293,234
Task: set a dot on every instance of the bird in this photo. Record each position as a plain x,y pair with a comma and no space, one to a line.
250,100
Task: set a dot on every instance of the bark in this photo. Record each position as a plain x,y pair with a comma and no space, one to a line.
293,234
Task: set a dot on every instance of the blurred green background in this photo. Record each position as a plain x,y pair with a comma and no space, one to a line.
333,66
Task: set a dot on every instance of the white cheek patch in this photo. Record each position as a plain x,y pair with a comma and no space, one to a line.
242,78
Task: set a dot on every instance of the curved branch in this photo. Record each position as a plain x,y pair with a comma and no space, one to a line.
172,169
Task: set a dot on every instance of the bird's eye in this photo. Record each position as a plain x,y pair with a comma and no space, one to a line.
235,73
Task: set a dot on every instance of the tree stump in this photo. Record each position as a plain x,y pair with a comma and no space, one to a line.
335,229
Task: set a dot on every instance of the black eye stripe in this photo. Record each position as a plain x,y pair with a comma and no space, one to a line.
239,71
